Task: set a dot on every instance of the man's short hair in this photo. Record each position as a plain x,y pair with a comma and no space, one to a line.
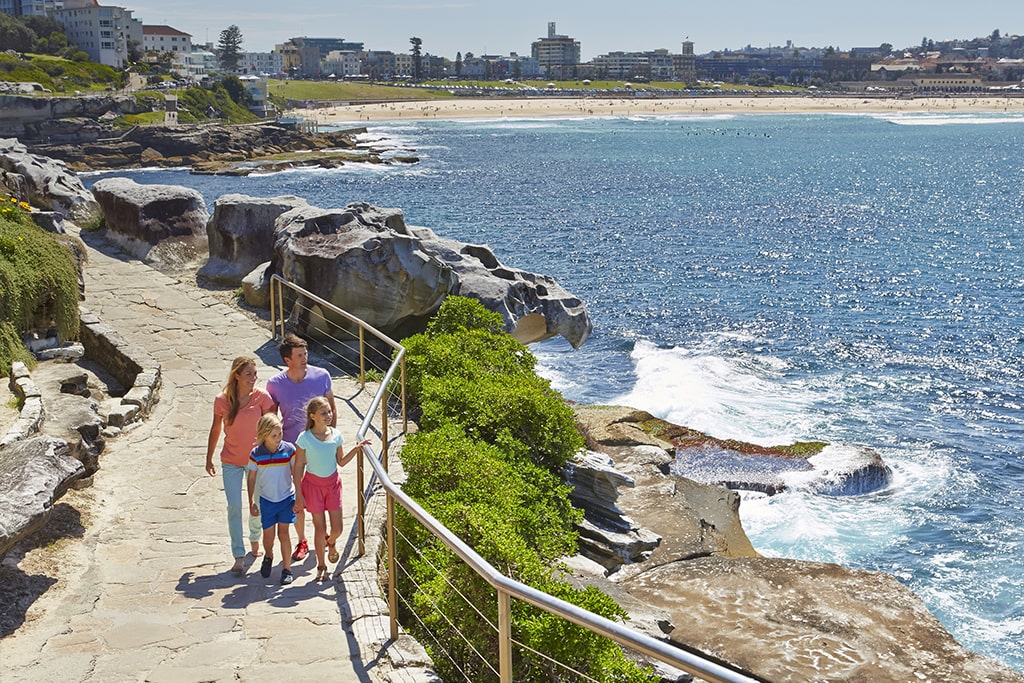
289,342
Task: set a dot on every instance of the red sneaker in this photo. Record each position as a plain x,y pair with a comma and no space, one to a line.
301,550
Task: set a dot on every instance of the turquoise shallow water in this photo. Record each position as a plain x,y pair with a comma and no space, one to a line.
856,279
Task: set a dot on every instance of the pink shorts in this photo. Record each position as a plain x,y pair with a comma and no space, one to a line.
321,494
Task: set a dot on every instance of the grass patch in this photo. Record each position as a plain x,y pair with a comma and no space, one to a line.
348,92
57,74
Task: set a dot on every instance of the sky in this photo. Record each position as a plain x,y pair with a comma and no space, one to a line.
601,26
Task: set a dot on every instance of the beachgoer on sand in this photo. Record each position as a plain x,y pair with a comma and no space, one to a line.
236,410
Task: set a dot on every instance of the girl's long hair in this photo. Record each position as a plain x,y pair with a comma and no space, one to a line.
314,406
231,386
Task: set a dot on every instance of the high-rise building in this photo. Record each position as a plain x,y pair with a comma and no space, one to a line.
557,55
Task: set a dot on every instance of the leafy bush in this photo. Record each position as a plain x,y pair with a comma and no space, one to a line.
522,414
38,281
197,104
486,463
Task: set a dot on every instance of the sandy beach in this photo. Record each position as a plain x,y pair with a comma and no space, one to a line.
463,108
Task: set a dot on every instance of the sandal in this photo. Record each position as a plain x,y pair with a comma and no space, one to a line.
239,566
332,552
321,573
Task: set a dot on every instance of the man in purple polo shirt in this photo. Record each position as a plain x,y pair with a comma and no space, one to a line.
291,390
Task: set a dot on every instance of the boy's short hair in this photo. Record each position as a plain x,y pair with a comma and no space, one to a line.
268,424
288,342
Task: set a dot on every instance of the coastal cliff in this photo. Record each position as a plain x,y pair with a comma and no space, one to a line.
704,586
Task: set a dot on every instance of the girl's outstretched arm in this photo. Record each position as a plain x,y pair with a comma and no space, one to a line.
343,457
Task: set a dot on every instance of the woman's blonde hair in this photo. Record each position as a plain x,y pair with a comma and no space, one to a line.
267,425
314,406
231,386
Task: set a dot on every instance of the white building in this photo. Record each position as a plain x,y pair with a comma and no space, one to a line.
260,64
102,32
343,63
165,39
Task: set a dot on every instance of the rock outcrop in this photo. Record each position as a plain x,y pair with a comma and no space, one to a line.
33,474
241,235
44,182
366,260
705,587
163,225
228,149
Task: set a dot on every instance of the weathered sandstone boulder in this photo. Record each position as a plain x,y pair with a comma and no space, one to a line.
787,620
831,469
163,225
367,261
241,235
45,182
705,587
33,474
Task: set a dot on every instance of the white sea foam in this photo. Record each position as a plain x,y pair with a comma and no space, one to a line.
948,118
739,395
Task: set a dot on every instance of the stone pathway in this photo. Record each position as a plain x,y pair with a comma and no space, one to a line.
146,593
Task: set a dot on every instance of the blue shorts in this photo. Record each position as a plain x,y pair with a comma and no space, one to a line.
281,512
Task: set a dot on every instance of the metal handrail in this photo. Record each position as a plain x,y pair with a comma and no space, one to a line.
506,588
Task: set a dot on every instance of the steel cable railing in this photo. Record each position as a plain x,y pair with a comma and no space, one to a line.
506,588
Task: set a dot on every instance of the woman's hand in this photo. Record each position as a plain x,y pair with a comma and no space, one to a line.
210,469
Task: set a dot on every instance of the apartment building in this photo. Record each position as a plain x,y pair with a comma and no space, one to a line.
260,64
22,8
161,39
343,63
102,32
556,54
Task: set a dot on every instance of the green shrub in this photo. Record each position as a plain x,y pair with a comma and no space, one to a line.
38,280
522,414
486,463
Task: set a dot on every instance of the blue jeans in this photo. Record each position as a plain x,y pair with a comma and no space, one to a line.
234,478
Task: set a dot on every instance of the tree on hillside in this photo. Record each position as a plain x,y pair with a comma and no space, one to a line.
229,48
14,35
417,57
458,63
885,49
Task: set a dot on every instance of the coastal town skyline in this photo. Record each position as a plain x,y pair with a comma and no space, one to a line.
447,28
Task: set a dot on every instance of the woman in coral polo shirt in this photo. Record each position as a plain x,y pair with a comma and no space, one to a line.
236,411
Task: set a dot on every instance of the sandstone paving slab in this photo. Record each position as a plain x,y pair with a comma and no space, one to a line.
175,673
212,627
133,634
68,666
333,671
127,665
224,652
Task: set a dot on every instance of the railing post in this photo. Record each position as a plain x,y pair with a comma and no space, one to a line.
504,637
392,570
273,308
405,415
362,359
360,503
384,431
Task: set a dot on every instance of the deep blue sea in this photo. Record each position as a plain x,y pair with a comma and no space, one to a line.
857,279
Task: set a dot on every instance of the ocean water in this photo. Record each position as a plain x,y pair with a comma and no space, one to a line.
857,279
